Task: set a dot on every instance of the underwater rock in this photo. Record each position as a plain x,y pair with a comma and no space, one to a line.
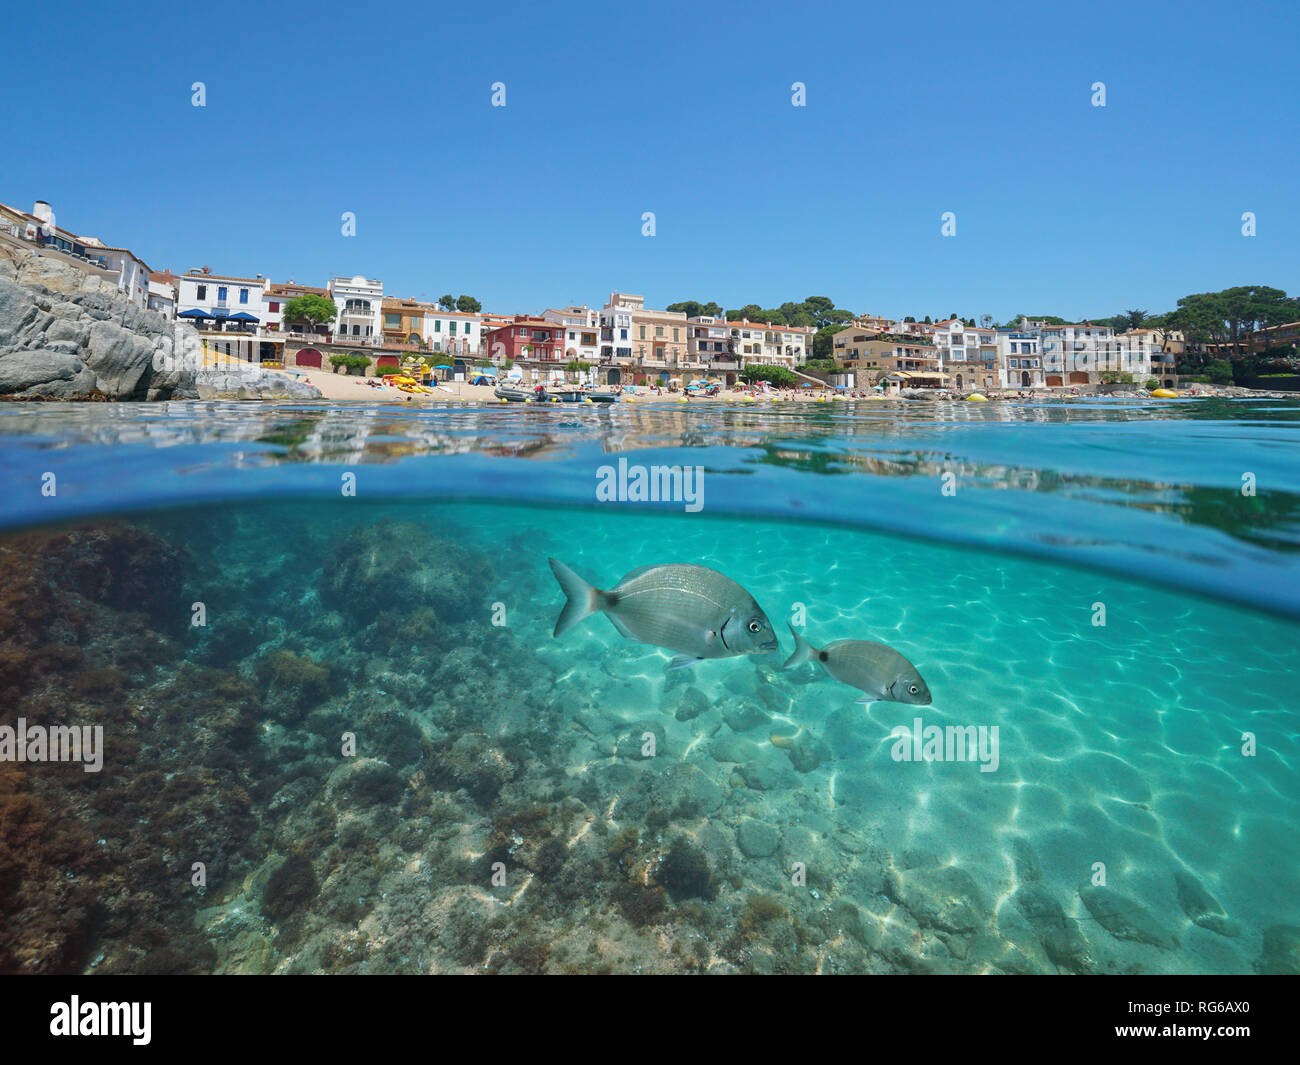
729,748
1125,918
1015,949
123,567
681,791
229,636
756,839
364,782
401,566
475,764
744,718
805,751
293,685
685,872
1202,907
945,897
1059,934
1025,861
290,888
635,744
762,776
392,736
691,704
1280,955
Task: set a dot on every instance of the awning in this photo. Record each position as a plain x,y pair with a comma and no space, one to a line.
196,313
243,316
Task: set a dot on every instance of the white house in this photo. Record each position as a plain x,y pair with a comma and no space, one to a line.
220,302
162,295
1080,353
581,331
616,329
360,303
1020,363
453,332
89,253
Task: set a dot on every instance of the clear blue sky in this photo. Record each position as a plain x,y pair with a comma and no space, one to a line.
683,109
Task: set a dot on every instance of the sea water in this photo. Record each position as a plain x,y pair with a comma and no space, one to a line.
338,734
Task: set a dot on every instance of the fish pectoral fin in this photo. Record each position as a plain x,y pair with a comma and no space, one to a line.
618,624
683,662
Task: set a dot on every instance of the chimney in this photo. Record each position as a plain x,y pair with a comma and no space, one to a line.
43,211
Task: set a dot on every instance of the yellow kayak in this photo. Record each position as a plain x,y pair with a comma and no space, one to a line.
1164,393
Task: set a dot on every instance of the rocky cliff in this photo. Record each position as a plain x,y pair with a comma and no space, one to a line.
68,334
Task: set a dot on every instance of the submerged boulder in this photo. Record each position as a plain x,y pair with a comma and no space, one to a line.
1125,918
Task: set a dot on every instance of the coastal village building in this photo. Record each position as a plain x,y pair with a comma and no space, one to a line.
277,295
360,304
162,293
221,302
658,337
403,324
1274,338
1020,363
91,254
526,339
908,362
615,336
968,355
771,345
1079,354
581,331
453,332
709,343
873,323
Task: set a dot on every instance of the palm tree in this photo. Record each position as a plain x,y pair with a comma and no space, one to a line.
1134,319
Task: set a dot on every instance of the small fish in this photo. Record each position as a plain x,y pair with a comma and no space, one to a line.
692,610
880,671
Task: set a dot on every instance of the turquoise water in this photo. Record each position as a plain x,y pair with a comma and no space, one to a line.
500,812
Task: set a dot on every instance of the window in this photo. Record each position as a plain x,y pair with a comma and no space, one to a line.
392,321
659,331
221,293
641,332
243,295
451,328
676,333
203,292
622,335
275,307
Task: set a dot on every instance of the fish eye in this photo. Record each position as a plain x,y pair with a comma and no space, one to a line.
913,689
755,625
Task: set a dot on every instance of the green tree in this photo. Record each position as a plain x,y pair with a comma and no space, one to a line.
447,302
776,375
1131,320
468,305
313,309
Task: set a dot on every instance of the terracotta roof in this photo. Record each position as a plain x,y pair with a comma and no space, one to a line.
195,275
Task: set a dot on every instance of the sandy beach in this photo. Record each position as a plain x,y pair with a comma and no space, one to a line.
339,387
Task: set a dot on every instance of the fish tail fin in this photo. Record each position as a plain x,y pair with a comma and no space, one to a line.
583,599
803,650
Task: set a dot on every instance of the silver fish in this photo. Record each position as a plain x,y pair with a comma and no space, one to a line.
879,671
692,610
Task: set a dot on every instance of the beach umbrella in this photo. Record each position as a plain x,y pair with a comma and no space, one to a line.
805,385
